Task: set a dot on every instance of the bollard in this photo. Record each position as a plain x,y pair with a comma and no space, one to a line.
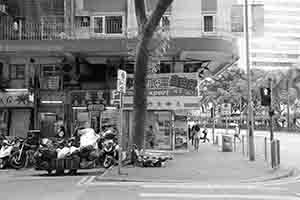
243,144
234,144
278,152
273,154
266,149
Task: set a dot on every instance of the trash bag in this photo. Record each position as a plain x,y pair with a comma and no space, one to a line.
64,152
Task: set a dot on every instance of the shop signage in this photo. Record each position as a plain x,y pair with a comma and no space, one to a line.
115,99
52,96
16,99
88,97
96,107
121,82
182,82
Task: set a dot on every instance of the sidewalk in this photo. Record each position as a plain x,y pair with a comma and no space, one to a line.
207,165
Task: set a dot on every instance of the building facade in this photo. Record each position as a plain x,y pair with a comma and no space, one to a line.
67,64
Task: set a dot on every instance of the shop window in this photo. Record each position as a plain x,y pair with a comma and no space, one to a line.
17,71
1,69
4,121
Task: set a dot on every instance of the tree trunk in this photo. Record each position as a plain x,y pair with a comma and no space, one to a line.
146,28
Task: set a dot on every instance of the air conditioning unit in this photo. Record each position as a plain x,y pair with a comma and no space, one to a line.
3,8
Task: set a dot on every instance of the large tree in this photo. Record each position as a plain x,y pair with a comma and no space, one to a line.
146,29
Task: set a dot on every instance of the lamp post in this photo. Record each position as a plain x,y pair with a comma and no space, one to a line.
250,109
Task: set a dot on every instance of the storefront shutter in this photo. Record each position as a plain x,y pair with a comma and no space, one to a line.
105,6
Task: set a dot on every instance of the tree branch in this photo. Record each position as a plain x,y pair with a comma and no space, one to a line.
156,16
140,13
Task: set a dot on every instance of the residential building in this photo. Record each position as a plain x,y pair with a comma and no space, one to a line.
69,61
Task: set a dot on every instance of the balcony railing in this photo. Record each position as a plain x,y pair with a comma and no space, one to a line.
57,31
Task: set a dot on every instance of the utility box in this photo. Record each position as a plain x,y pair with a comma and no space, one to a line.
226,143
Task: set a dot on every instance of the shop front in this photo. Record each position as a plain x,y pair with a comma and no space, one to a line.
166,103
88,106
51,112
16,108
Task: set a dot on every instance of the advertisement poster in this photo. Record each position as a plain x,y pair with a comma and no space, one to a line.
181,133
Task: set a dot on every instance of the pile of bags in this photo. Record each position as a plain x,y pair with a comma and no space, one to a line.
149,159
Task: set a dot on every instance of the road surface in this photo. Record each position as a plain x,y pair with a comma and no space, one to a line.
32,186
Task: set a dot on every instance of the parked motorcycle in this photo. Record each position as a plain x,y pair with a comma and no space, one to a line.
25,154
110,153
5,153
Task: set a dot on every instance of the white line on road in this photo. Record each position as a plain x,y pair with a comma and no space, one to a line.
83,180
208,186
216,196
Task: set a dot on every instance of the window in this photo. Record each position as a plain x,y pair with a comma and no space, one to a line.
108,24
98,24
50,70
17,71
113,24
83,21
51,76
164,68
208,23
165,22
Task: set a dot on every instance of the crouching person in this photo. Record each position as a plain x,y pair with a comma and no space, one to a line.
88,150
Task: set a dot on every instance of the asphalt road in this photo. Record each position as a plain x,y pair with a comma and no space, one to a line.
32,186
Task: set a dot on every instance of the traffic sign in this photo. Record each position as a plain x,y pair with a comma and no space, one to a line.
121,82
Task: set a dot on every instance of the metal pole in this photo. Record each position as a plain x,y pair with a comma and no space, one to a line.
214,125
288,106
270,112
250,112
120,133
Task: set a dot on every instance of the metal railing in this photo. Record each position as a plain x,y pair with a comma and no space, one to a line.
12,30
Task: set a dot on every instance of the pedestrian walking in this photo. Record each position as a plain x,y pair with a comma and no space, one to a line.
193,134
237,133
204,138
150,137
197,136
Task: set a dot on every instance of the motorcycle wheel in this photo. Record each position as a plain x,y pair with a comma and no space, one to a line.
17,163
108,162
3,163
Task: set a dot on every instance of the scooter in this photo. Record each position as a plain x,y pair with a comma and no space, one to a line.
5,153
111,153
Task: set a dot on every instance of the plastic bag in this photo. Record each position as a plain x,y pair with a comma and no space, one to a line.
64,152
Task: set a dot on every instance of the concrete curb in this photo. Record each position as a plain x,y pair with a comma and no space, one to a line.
293,172
290,173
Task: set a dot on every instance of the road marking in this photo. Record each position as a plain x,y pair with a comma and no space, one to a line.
83,180
216,196
208,186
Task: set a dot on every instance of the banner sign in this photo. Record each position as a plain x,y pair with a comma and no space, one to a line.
83,98
180,84
16,99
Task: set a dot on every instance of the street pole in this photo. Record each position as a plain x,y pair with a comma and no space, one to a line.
288,105
241,116
270,112
250,111
214,124
120,133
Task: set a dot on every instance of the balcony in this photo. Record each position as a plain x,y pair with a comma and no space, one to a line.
100,28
